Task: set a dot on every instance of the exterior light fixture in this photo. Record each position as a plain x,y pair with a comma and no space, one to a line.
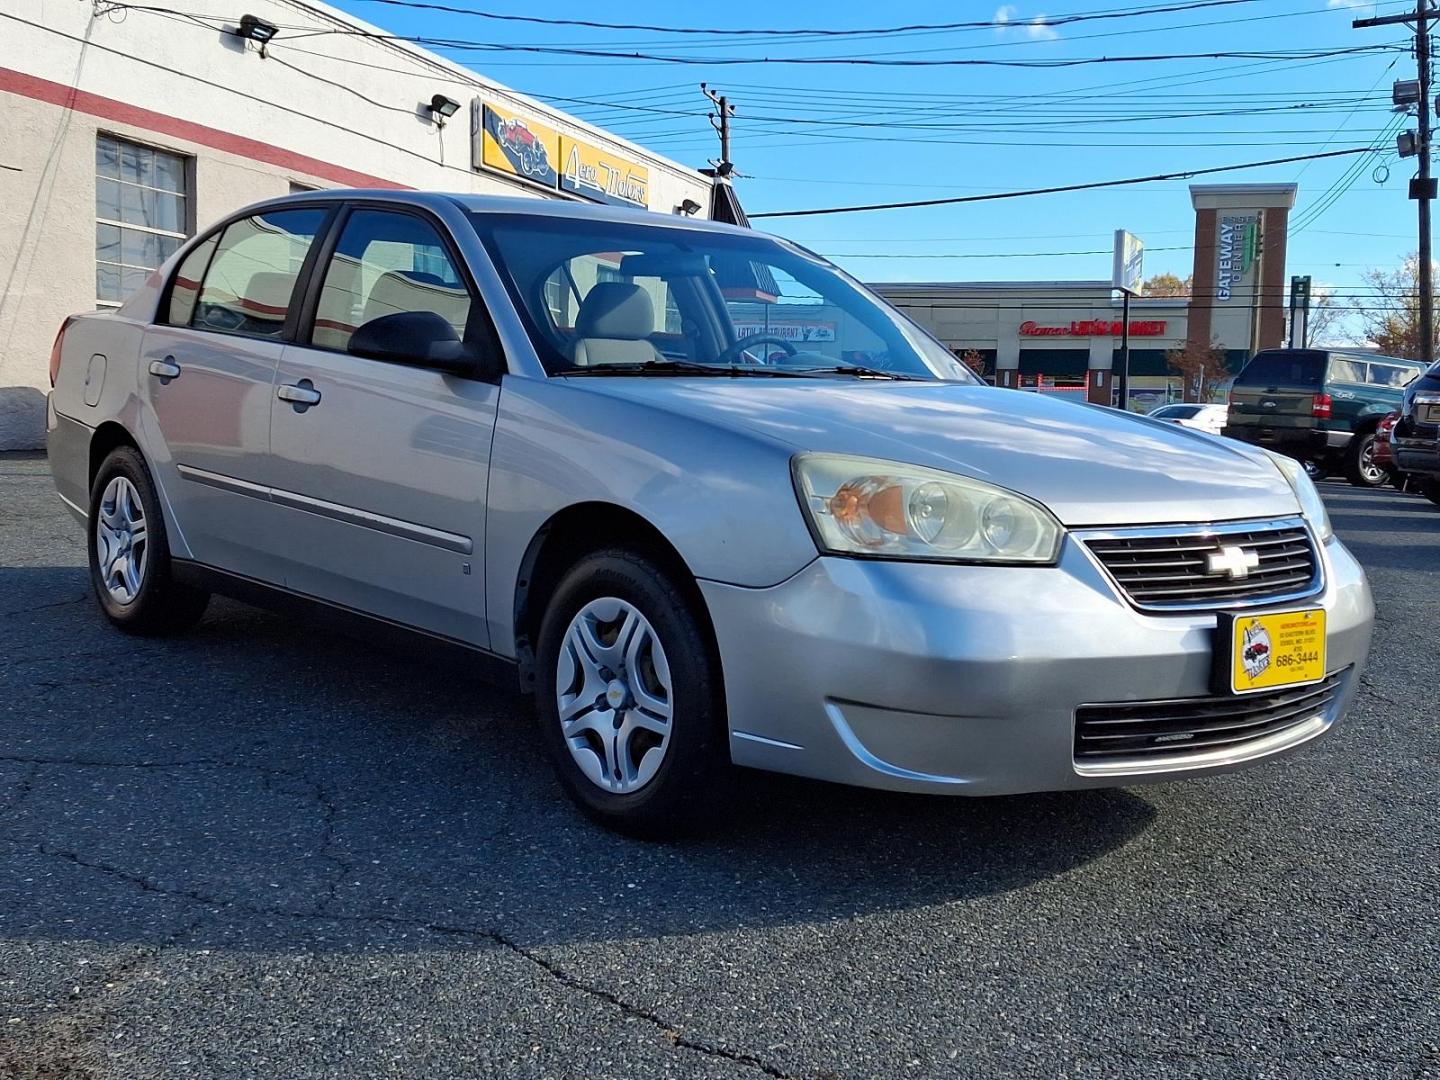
1405,144
253,28
689,208
442,108
1405,92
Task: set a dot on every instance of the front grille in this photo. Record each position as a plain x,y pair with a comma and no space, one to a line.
1168,569
1144,730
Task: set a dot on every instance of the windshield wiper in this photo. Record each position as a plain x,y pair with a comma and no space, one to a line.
684,367
859,371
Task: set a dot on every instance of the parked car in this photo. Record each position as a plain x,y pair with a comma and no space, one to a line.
1321,406
1416,436
1384,453
530,429
1201,417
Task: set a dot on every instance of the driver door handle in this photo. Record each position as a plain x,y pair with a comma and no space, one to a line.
299,394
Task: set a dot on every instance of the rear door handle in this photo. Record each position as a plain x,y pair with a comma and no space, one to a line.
302,394
166,369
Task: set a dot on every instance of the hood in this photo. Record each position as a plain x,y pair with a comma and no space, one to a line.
1089,465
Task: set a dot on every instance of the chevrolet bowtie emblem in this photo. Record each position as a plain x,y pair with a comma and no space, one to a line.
1230,561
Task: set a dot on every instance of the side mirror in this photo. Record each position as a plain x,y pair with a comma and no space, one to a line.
417,338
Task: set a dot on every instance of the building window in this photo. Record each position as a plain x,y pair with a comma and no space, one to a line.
141,214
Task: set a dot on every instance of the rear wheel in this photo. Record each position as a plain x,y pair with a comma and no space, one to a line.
1360,467
130,567
629,697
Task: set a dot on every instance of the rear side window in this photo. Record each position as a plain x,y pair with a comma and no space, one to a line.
185,289
1392,375
248,287
1300,369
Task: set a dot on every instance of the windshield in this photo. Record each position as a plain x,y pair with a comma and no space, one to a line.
601,297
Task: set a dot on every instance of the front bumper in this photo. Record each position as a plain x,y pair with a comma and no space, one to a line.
1420,456
966,679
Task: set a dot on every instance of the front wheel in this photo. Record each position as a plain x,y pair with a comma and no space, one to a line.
630,699
130,555
1360,467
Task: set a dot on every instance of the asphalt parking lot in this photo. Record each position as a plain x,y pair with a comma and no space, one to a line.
266,851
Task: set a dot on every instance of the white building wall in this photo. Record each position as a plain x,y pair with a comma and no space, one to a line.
252,125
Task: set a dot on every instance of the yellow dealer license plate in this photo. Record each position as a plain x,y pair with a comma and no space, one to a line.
1273,650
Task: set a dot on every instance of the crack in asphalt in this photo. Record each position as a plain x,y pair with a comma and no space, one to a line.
557,973
23,788
325,849
45,607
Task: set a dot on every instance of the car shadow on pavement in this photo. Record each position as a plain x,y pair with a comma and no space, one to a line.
262,771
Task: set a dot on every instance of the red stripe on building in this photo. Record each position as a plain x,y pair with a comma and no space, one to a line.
17,82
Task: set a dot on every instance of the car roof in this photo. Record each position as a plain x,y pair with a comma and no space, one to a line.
511,205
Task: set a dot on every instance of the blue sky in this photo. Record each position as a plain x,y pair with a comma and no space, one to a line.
937,131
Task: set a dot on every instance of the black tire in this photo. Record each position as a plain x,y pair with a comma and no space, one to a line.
693,783
1431,490
1315,470
160,605
1360,467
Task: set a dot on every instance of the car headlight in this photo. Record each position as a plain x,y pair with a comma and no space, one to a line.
1312,507
863,506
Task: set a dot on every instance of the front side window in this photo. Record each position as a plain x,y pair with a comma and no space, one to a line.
141,214
597,294
250,284
386,263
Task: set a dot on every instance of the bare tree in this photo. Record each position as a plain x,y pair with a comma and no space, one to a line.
1325,324
1201,369
1390,313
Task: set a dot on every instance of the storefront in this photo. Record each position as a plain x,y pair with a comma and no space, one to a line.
1066,336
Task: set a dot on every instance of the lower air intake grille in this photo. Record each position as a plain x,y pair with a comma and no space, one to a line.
1142,730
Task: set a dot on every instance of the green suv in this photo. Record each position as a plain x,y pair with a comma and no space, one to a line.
1320,406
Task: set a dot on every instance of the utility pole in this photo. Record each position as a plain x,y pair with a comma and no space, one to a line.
720,121
1422,186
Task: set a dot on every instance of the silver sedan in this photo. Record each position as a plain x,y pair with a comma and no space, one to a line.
707,498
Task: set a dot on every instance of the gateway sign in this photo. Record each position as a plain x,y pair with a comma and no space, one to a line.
1235,247
1095,328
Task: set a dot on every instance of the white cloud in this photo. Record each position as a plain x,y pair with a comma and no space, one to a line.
1349,5
1007,21
1041,30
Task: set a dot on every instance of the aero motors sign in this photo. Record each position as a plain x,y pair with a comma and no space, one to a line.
1095,328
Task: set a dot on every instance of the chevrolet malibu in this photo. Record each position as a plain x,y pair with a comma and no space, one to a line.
709,499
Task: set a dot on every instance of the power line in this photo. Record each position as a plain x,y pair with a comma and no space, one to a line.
862,61
989,24
1061,188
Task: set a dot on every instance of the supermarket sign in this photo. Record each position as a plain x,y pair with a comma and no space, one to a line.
1095,328
788,331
